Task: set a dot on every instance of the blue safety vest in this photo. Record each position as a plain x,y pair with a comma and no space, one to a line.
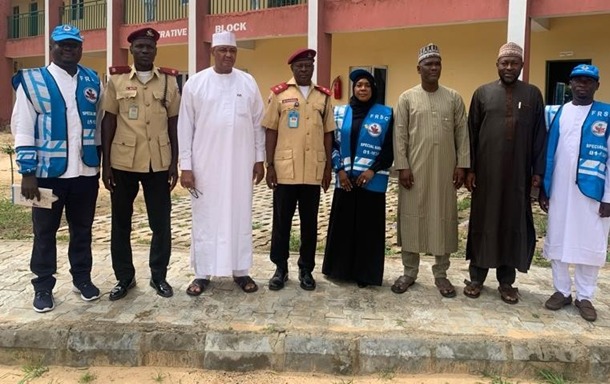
49,157
372,135
591,170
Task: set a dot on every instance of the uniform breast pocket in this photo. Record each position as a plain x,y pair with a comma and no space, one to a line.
284,164
159,102
123,150
166,150
320,165
126,99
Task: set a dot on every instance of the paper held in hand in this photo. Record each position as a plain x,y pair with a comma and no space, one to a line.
46,198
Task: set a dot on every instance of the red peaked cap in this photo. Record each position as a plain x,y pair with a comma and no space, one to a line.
143,33
302,54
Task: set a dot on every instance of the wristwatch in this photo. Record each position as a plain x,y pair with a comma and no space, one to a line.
270,164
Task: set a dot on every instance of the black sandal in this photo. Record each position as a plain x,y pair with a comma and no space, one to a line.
246,283
472,289
508,294
197,286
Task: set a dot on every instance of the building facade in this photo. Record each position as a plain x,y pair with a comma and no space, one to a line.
381,35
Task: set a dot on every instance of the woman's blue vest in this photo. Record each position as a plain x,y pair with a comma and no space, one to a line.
49,158
591,171
374,128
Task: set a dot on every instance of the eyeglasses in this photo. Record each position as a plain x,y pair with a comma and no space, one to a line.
194,192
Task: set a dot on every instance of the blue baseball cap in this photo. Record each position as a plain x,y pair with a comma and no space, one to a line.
66,32
585,70
358,73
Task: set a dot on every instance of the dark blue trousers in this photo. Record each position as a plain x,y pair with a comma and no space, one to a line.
78,196
158,207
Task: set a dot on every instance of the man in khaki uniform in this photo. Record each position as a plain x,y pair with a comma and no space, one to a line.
299,124
140,145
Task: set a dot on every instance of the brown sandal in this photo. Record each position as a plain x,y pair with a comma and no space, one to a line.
445,287
402,284
472,289
245,283
197,286
508,294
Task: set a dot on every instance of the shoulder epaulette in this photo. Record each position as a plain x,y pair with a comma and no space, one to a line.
323,90
169,71
119,69
281,87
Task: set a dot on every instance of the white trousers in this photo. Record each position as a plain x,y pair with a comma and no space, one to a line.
585,279
243,272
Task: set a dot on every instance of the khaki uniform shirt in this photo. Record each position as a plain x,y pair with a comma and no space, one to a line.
300,156
141,141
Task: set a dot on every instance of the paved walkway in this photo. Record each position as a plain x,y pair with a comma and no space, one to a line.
336,328
262,215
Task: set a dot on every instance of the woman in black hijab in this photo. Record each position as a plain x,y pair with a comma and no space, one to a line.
362,154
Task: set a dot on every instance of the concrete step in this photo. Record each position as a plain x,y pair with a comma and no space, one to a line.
338,328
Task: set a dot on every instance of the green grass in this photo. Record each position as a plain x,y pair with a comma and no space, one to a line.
32,370
463,204
143,241
15,221
256,225
387,374
539,260
87,377
540,224
64,238
321,246
295,242
550,377
159,377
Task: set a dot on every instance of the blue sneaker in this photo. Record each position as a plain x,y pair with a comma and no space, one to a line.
87,290
43,301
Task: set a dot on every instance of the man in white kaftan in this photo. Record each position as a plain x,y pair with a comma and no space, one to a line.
221,146
578,221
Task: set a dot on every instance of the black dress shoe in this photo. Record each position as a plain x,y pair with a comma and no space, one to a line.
120,289
279,278
162,287
307,281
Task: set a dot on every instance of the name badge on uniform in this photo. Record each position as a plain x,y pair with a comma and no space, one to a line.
293,119
133,112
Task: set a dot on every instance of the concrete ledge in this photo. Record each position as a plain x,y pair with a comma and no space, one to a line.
183,346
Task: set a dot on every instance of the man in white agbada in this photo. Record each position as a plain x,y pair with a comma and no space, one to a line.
579,212
222,151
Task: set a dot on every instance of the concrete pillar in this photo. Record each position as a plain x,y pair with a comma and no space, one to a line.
52,18
319,40
199,49
6,64
519,31
115,55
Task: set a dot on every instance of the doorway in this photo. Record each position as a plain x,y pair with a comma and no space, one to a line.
557,80
33,19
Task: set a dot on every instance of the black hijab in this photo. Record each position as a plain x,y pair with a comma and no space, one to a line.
359,108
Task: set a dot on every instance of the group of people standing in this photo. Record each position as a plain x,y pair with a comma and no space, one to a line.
223,137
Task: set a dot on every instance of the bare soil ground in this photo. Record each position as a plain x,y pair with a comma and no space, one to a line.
103,202
63,375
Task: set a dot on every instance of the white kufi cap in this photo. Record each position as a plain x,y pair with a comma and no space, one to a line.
224,38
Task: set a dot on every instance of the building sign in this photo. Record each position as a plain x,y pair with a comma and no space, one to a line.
233,27
175,32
